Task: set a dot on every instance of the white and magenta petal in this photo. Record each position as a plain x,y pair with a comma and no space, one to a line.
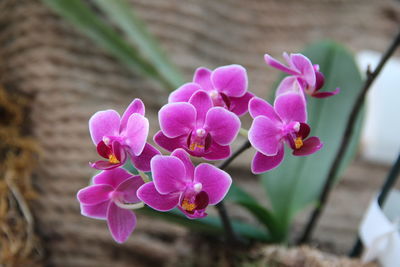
202,76
149,195
112,177
177,119
98,211
136,106
305,67
215,182
121,222
104,123
142,162
262,163
291,107
185,158
183,93
136,133
288,85
260,107
266,135
223,125
278,65
169,174
129,188
94,194
230,80
202,102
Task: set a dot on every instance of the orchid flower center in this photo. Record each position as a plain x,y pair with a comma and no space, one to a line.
113,159
298,142
197,141
187,205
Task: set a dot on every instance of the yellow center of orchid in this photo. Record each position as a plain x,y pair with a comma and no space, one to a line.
113,159
186,205
195,145
298,142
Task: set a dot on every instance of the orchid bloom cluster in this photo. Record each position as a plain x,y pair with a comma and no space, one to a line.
200,120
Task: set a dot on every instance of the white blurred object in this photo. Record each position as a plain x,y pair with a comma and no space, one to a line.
381,132
379,232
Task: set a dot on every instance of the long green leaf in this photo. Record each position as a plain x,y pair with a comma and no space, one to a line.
209,224
298,181
263,215
80,14
123,14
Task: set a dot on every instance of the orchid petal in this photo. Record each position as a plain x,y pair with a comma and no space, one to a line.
142,162
202,76
326,94
202,103
177,119
310,146
169,174
149,195
184,157
121,222
240,105
217,152
260,107
183,93
265,135
215,182
305,67
94,194
277,65
98,211
112,177
262,163
287,85
231,80
104,123
291,107
169,144
223,125
137,131
129,188
105,165
136,106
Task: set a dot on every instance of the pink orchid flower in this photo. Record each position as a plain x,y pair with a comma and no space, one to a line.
302,71
176,182
273,126
105,200
226,85
198,127
117,137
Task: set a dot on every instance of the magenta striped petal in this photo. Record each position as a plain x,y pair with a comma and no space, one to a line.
260,107
202,76
136,106
266,135
129,188
230,80
142,162
149,195
137,131
94,194
98,211
215,182
291,107
112,177
185,158
277,65
183,93
240,105
262,163
222,125
169,174
104,123
177,119
121,222
202,103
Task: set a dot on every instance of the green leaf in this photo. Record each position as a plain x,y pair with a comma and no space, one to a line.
80,14
263,215
297,182
210,225
124,16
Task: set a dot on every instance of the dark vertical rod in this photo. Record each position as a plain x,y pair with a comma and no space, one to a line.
323,198
387,185
223,214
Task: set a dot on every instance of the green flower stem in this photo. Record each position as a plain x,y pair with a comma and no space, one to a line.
243,132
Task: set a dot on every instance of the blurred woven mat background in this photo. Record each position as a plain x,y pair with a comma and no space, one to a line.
66,78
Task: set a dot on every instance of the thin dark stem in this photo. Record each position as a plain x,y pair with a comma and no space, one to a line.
345,142
230,234
386,187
